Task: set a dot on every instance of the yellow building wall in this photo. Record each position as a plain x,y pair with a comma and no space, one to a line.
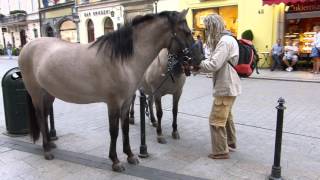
266,23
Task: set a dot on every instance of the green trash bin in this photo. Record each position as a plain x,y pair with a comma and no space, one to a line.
15,100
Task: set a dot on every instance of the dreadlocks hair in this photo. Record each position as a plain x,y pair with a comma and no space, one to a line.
215,26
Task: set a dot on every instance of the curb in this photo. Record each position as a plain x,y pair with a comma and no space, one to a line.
281,79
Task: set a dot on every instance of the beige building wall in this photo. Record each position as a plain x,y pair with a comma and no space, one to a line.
98,20
168,5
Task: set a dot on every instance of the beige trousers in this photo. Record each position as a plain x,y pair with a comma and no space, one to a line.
221,124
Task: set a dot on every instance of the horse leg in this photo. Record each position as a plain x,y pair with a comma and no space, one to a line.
114,114
152,118
160,137
49,104
176,98
132,159
42,111
131,118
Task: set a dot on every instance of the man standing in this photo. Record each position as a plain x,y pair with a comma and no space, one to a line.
226,82
276,53
9,50
200,44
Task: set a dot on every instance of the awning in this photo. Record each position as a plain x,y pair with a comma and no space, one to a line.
270,2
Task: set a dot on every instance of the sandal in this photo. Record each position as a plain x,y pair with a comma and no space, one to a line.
219,156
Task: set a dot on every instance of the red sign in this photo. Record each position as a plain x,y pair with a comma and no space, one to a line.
56,1
306,6
270,2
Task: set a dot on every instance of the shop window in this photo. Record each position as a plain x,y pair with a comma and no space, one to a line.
108,26
90,28
228,13
68,31
301,32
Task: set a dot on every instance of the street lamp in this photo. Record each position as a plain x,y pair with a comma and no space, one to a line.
156,6
4,39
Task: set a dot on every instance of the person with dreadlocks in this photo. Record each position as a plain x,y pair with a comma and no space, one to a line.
226,85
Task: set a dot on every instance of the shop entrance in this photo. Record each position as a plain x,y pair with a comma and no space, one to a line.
49,32
300,19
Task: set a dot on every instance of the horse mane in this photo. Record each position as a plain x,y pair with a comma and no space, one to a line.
120,42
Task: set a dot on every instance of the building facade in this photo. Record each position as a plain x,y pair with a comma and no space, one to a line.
268,19
266,22
19,22
58,19
99,17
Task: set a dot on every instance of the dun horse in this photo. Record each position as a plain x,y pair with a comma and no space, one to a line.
109,70
156,84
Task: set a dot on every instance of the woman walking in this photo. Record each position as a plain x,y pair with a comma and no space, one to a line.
315,52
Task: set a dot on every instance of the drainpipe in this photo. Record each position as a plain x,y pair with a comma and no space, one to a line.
76,18
40,18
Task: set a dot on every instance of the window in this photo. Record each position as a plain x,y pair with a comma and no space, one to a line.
68,31
90,28
108,26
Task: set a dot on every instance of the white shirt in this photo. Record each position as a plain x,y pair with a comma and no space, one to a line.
291,50
316,42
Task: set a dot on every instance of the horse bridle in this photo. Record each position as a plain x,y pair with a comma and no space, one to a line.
184,59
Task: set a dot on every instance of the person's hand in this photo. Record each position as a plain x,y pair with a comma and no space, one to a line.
194,68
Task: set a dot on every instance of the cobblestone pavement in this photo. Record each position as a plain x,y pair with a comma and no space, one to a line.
83,133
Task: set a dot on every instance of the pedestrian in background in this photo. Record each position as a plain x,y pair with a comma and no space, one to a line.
276,53
315,52
226,85
290,55
200,43
9,50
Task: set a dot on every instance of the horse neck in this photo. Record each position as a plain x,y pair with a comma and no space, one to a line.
149,39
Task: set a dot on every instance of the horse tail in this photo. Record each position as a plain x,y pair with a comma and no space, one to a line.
33,124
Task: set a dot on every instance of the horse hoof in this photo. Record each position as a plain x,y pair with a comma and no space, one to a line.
118,167
161,140
133,160
52,145
175,135
131,120
48,156
53,138
154,123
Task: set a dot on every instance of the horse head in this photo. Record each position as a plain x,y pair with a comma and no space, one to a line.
182,44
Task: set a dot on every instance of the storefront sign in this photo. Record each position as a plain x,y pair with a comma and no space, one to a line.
99,13
303,7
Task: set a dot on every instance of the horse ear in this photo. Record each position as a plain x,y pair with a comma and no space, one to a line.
184,13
